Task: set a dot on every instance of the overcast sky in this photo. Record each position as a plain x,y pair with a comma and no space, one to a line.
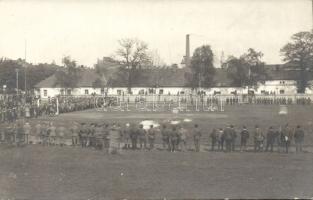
87,30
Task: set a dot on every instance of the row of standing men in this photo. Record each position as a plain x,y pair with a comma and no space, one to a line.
114,137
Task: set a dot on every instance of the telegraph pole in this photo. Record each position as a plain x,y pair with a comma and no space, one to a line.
16,70
25,83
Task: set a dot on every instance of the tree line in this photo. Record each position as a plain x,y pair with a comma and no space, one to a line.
133,57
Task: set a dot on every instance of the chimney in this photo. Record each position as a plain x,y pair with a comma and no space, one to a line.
187,58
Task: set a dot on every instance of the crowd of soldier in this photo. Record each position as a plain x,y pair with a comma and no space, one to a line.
270,100
262,141
72,104
113,137
13,108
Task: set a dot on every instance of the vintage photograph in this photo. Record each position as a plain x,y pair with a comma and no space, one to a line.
155,99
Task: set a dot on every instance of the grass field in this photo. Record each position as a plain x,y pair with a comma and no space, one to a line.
36,172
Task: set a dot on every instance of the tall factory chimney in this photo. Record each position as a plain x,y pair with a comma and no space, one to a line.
187,58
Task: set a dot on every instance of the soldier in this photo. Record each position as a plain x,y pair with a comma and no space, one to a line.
98,137
45,134
299,138
142,137
197,136
61,135
83,133
228,138
38,133
126,136
214,138
91,135
183,138
114,136
106,138
151,137
233,137
270,139
52,134
277,139
2,132
220,139
173,137
74,134
244,136
165,137
20,134
286,136
27,130
258,139
133,136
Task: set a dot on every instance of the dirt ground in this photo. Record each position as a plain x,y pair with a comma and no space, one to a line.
37,172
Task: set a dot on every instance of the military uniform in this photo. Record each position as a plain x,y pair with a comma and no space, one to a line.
38,134
196,137
27,130
258,139
214,138
270,139
133,136
220,139
98,137
286,137
299,138
244,136
74,133
183,138
151,137
83,133
52,134
142,138
165,137
126,137
228,138
114,136
173,137
61,135
233,138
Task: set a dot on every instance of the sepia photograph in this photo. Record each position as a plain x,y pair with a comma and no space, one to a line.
156,99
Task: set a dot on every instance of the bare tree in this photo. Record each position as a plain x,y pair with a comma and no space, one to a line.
133,54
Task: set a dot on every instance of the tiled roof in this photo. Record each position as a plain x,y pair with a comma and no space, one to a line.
165,77
86,79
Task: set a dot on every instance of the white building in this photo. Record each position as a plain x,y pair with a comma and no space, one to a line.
170,82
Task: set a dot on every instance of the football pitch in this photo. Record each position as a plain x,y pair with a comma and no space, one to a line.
37,172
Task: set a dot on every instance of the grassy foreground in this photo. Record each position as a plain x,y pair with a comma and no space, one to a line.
36,172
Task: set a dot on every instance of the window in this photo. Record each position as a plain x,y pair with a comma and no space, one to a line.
161,91
119,92
182,92
45,93
62,92
141,91
69,92
86,92
281,91
235,92
102,90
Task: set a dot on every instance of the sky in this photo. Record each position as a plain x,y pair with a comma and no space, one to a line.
88,30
